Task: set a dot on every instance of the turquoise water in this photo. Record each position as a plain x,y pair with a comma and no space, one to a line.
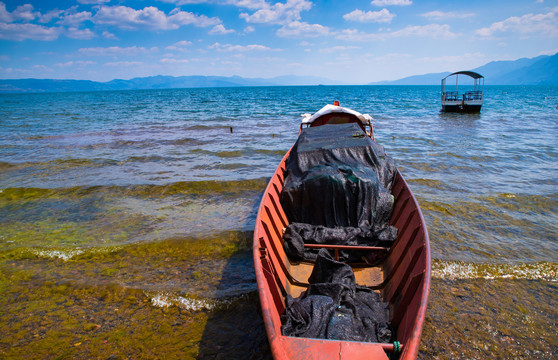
145,201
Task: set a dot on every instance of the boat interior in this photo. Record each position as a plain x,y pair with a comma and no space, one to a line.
400,278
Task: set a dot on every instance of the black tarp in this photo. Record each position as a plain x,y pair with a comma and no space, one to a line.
298,234
337,190
338,177
334,307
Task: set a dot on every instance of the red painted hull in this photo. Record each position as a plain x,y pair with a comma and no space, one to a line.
404,282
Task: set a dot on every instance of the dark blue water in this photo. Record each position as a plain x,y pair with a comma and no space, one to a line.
85,177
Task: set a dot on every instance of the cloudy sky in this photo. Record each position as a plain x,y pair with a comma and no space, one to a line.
353,41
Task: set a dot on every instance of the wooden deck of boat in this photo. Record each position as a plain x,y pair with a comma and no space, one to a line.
369,276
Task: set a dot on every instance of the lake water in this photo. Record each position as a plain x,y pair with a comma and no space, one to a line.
126,217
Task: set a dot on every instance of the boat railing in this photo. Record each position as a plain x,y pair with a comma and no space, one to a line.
467,96
472,95
450,96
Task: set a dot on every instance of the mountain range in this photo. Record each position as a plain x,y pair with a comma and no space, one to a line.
541,70
153,82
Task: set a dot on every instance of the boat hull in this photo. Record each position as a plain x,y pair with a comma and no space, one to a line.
403,279
465,108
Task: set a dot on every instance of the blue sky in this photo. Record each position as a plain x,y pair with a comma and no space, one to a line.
352,41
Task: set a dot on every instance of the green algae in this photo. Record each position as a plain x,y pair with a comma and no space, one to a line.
233,187
502,318
74,219
83,322
195,265
466,319
100,304
95,305
52,233
487,228
221,154
432,184
230,188
98,272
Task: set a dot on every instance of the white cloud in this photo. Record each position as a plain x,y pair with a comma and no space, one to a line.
179,46
116,51
173,61
108,35
452,59
41,68
220,30
15,71
302,29
440,15
549,52
25,12
124,63
52,14
70,18
526,26
22,12
238,48
81,34
75,63
382,16
5,15
391,2
249,4
150,18
391,58
280,13
188,2
434,31
20,32
337,49
249,29
93,2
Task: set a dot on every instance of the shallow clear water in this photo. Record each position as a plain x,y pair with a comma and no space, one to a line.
144,201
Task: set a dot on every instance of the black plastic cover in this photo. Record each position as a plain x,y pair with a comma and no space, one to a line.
334,307
298,234
336,176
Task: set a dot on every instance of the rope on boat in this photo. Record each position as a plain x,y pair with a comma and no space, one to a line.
396,350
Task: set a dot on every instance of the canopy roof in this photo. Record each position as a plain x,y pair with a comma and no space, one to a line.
328,109
472,74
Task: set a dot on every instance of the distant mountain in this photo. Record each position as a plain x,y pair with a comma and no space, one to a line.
541,70
47,85
172,82
497,69
151,82
426,79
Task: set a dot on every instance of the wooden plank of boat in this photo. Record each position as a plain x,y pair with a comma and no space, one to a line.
403,278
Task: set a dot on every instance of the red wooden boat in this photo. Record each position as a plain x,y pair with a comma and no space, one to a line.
402,279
